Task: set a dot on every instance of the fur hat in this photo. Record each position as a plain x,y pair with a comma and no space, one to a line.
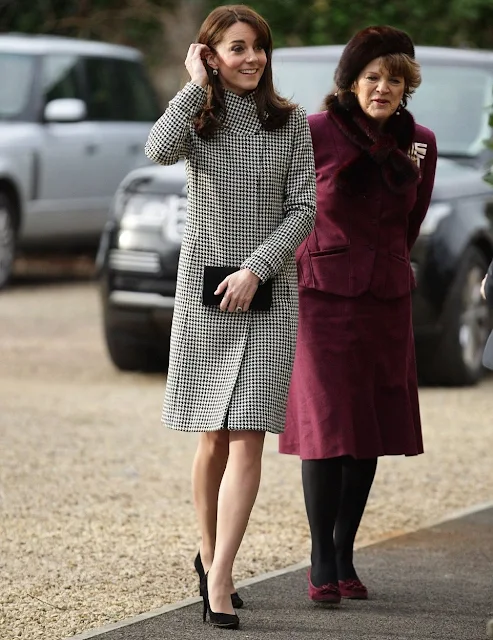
365,46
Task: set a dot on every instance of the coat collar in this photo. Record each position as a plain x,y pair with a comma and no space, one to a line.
387,148
241,114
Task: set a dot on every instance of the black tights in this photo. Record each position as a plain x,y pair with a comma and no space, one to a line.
336,491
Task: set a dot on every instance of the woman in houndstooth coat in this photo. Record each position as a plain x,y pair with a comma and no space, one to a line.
251,193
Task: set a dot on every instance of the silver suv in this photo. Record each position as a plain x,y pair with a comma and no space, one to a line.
74,118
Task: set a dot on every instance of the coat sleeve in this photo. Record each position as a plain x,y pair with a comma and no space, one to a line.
418,213
169,139
299,206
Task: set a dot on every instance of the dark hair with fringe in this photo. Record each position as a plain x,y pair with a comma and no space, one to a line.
273,110
397,64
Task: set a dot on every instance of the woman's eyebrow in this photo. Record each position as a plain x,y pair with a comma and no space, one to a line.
243,41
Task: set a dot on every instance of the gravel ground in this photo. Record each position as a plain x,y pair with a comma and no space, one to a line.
96,520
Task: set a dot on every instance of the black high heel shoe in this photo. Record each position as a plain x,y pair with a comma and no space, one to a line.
220,620
236,601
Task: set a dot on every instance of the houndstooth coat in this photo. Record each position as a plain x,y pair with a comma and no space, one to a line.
251,202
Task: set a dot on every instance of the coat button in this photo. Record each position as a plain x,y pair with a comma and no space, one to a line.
374,220
371,247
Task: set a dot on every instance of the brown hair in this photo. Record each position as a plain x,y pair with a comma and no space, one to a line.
273,110
397,64
400,64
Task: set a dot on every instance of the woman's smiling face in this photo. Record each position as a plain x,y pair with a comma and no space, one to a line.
239,58
379,93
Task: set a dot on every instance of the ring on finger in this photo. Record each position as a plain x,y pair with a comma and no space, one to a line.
238,309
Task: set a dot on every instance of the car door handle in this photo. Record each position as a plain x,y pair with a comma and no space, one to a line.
91,149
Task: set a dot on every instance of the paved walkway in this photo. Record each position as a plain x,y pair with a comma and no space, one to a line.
435,584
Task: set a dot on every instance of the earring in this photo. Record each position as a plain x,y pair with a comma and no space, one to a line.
401,106
215,72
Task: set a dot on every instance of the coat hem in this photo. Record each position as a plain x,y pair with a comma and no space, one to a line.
356,457
207,430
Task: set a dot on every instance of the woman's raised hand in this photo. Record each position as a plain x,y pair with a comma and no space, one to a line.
195,63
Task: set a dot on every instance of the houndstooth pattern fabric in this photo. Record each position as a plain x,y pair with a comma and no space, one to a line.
251,202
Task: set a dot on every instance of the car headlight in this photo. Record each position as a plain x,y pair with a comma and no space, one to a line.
139,211
437,211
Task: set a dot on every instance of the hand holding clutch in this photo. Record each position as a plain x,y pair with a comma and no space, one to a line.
234,289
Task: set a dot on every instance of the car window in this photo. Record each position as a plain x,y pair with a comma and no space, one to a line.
453,100
102,101
16,80
60,77
136,93
304,82
119,90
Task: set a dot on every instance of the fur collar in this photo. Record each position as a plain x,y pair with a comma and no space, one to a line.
387,148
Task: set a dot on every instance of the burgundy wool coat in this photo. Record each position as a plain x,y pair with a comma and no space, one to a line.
354,387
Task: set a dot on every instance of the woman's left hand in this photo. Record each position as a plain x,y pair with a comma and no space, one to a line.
240,288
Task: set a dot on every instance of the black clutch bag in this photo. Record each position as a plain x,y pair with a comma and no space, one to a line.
213,276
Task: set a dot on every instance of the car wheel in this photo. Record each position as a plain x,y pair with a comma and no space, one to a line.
130,355
128,352
7,238
458,357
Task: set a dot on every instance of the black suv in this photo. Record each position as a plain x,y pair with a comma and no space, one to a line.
140,246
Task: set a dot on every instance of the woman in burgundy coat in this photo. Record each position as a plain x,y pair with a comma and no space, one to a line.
353,393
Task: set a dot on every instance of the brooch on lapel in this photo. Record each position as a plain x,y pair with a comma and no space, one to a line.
417,152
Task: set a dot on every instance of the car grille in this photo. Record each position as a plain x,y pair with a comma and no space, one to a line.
135,261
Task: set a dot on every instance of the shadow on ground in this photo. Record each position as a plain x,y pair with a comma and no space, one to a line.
43,268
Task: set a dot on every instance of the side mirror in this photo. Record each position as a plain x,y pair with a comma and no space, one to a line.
65,110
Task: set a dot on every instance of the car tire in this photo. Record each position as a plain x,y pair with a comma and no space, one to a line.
457,359
130,355
7,238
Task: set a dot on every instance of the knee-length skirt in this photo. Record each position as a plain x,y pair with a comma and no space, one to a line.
354,385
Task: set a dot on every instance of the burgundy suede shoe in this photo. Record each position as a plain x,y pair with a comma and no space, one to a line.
326,593
353,589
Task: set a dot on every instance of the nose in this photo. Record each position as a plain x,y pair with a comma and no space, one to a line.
383,86
252,55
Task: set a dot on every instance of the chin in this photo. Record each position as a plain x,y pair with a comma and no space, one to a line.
250,86
379,115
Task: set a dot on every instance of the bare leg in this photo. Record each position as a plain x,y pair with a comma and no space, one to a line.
237,495
207,472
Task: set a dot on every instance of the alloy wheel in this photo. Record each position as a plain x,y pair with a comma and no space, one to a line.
474,320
